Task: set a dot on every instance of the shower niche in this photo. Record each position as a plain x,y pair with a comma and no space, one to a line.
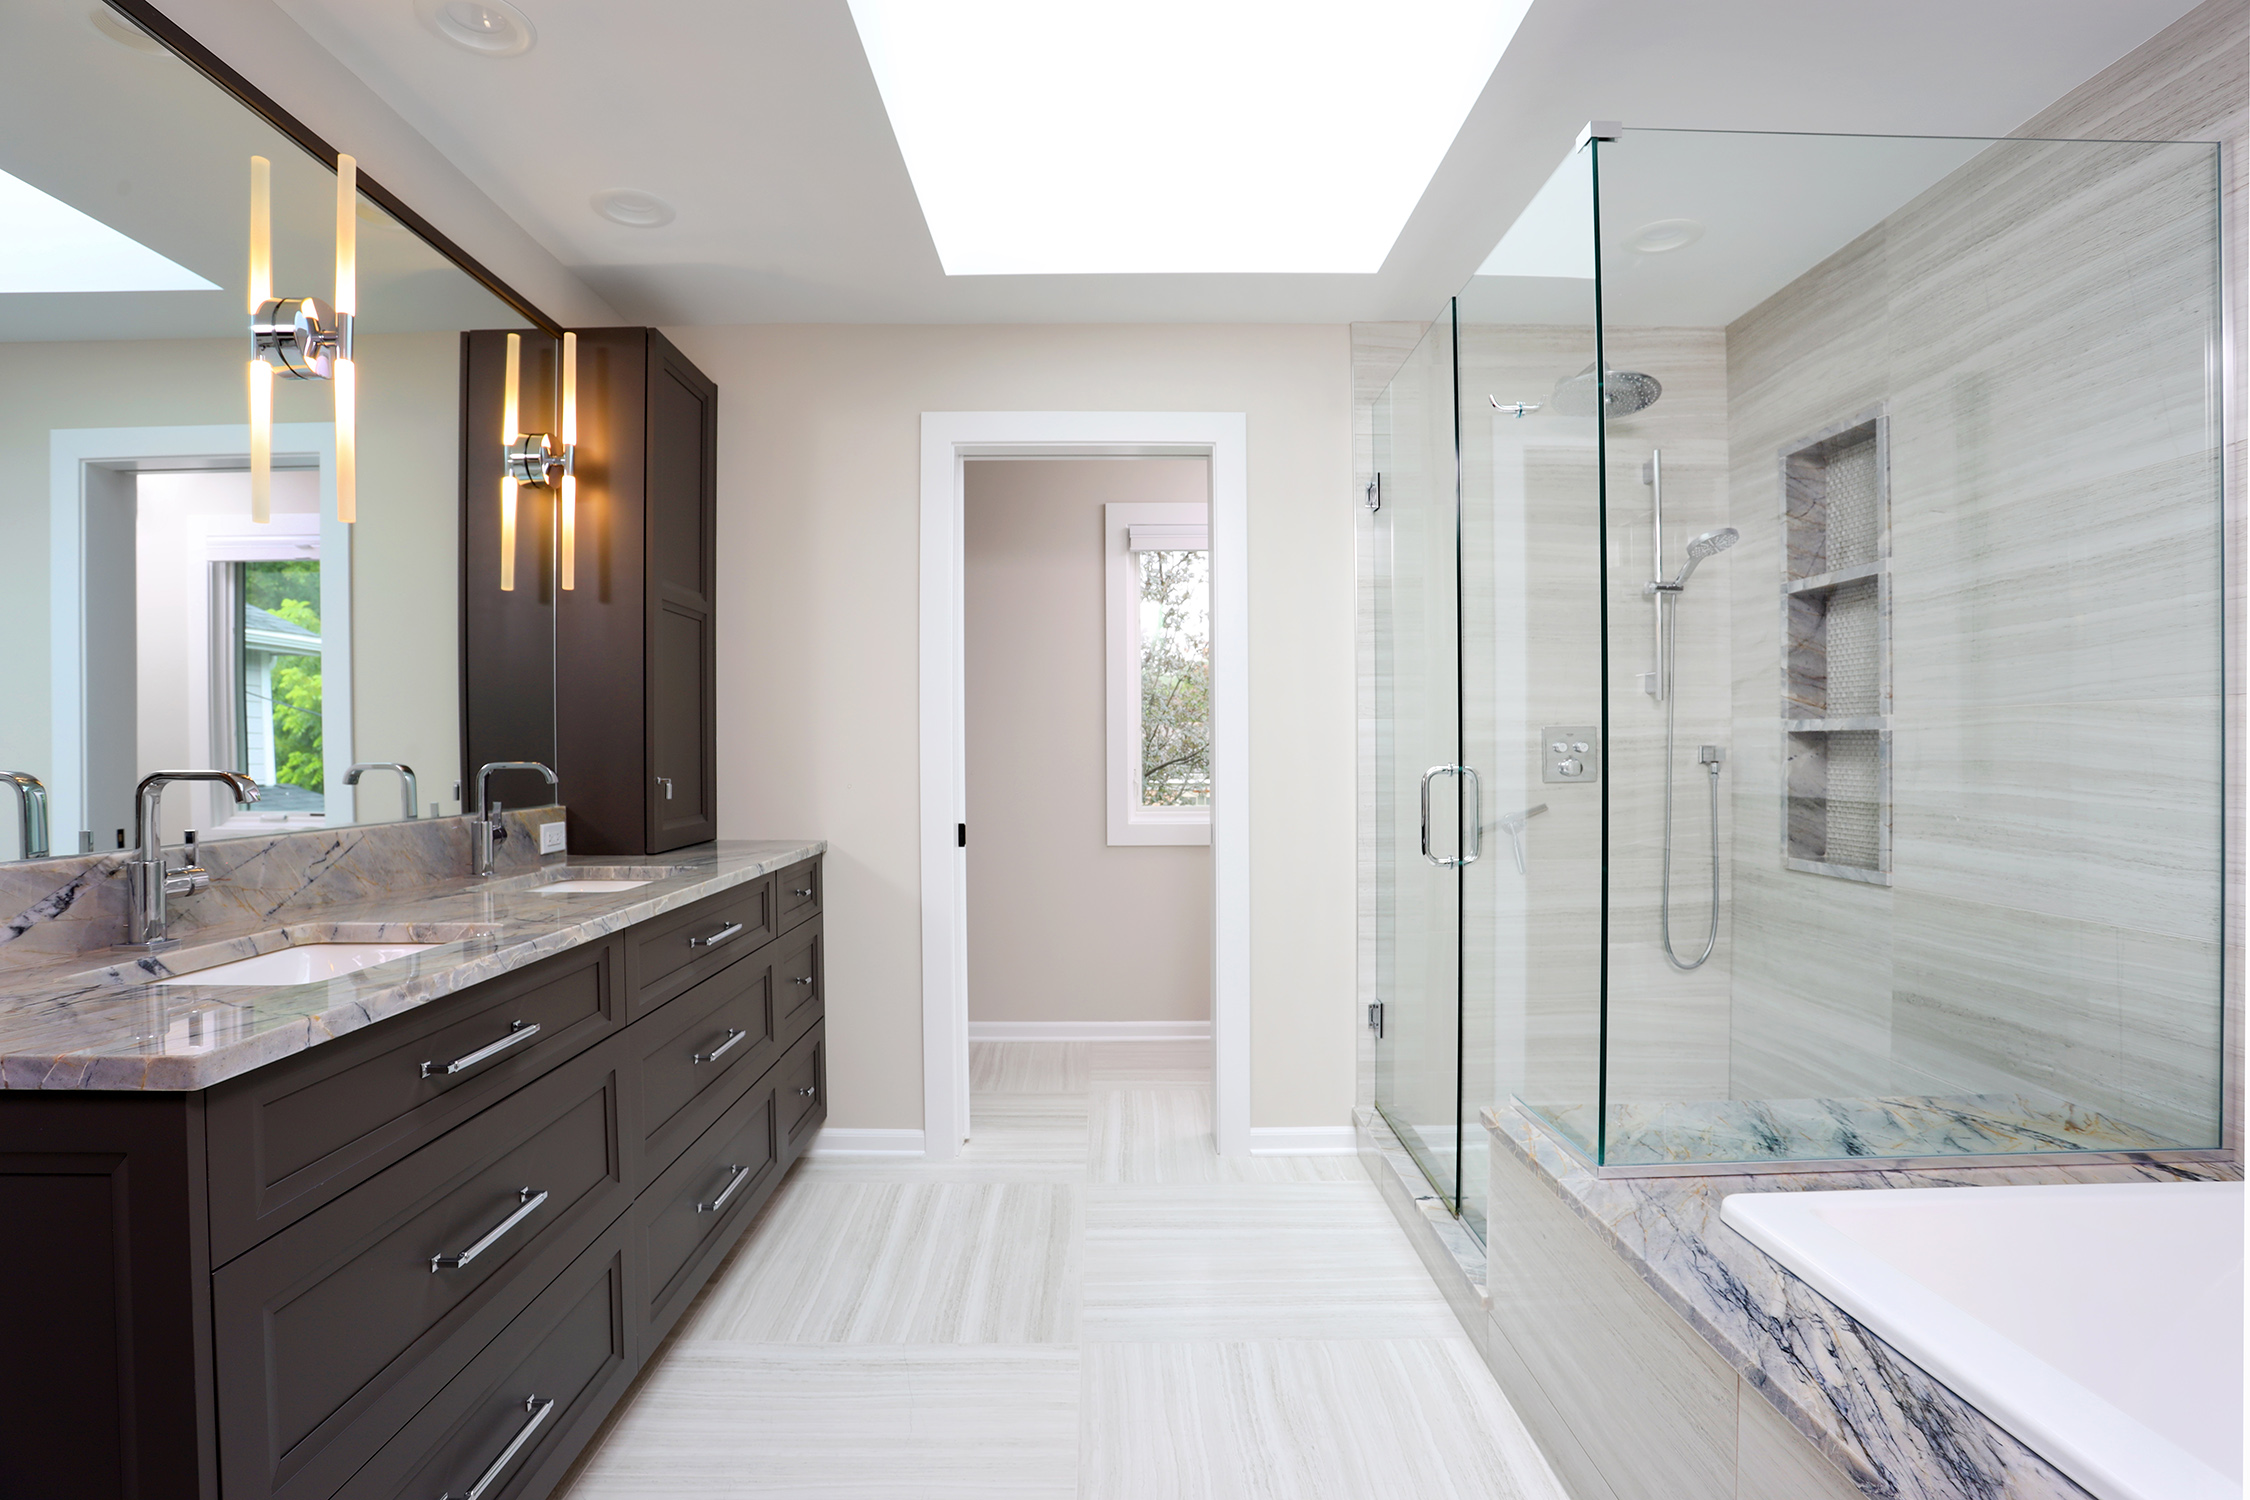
1836,667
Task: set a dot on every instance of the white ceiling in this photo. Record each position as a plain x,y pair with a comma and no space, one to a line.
760,122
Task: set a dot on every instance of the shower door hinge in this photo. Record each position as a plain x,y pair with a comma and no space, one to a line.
1375,493
1375,1018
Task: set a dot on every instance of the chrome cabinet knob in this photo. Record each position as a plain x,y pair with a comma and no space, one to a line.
807,1093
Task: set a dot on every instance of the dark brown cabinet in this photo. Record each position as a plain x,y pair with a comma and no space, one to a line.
333,1276
635,725
612,680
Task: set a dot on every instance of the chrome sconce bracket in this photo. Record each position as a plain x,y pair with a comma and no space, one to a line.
300,337
534,458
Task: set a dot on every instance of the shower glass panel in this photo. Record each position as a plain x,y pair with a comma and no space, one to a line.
1854,503
1416,1057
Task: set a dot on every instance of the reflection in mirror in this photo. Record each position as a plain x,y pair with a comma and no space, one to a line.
150,622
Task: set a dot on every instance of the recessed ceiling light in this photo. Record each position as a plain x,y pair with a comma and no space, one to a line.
1664,235
121,31
492,27
48,246
633,210
1175,135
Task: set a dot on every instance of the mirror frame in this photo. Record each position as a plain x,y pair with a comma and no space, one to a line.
160,26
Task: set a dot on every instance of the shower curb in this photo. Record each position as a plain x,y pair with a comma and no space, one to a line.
1451,1254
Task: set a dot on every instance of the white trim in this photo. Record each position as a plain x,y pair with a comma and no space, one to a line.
1128,821
1304,1140
71,451
948,440
837,1141
1089,1031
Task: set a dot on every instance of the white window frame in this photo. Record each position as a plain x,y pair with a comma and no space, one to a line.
1129,821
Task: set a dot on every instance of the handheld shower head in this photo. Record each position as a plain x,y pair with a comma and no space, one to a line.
1710,544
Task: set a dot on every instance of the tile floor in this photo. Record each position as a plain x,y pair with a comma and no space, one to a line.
1088,1302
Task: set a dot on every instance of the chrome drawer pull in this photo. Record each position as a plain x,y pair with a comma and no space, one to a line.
806,891
732,929
734,1185
807,1093
806,980
733,1036
540,1410
531,1198
517,1032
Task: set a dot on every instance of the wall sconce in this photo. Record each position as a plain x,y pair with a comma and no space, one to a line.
534,458
303,338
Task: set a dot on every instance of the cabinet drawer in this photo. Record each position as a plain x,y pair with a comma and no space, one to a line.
688,1217
667,955
697,1053
796,894
801,1091
333,1332
570,1348
286,1139
799,982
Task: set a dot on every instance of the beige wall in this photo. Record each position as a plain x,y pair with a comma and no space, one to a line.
1063,926
818,451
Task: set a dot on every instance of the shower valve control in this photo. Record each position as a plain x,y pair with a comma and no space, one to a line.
1570,752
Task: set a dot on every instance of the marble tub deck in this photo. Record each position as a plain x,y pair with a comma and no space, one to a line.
1893,1430
1812,1130
93,1019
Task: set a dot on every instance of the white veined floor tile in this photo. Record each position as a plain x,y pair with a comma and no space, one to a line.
844,1421
1162,1133
903,1263
1254,1261
1149,1062
1360,1419
1026,1068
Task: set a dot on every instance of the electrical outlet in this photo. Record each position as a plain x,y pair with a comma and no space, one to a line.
551,836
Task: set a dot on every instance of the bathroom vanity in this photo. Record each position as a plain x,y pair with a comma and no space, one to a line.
412,1229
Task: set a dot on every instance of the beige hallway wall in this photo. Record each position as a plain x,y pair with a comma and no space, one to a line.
819,444
1063,925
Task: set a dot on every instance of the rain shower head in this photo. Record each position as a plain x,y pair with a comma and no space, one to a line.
1622,394
1710,544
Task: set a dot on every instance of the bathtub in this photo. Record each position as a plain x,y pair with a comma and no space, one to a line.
2101,1323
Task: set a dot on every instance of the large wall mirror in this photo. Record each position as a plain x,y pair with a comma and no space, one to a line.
150,621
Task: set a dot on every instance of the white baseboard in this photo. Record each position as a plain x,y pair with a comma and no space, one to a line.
840,1141
1089,1031
1303,1140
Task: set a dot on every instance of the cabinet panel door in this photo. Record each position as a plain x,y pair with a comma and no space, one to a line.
697,1051
683,448
801,1091
690,1216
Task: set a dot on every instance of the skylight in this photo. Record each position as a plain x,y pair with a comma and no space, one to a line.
48,246
1050,138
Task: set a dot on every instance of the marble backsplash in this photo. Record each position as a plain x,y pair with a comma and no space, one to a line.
54,908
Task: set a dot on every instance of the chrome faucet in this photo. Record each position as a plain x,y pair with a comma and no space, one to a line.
490,831
405,773
31,813
152,883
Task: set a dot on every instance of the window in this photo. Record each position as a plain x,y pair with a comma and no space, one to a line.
1158,569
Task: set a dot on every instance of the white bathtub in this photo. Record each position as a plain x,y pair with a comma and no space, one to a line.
2099,1323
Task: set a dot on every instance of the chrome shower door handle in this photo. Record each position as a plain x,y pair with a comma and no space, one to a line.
1474,837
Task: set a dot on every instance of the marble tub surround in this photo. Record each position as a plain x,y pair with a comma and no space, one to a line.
1812,1130
120,1019
67,907
1882,1423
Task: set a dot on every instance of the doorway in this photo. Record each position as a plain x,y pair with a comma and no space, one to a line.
1087,612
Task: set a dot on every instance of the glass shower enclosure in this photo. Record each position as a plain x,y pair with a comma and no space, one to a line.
1792,647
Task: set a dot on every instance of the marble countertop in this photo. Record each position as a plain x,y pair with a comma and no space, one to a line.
1892,1428
114,1019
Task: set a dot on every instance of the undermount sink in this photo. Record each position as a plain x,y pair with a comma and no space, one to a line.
306,963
